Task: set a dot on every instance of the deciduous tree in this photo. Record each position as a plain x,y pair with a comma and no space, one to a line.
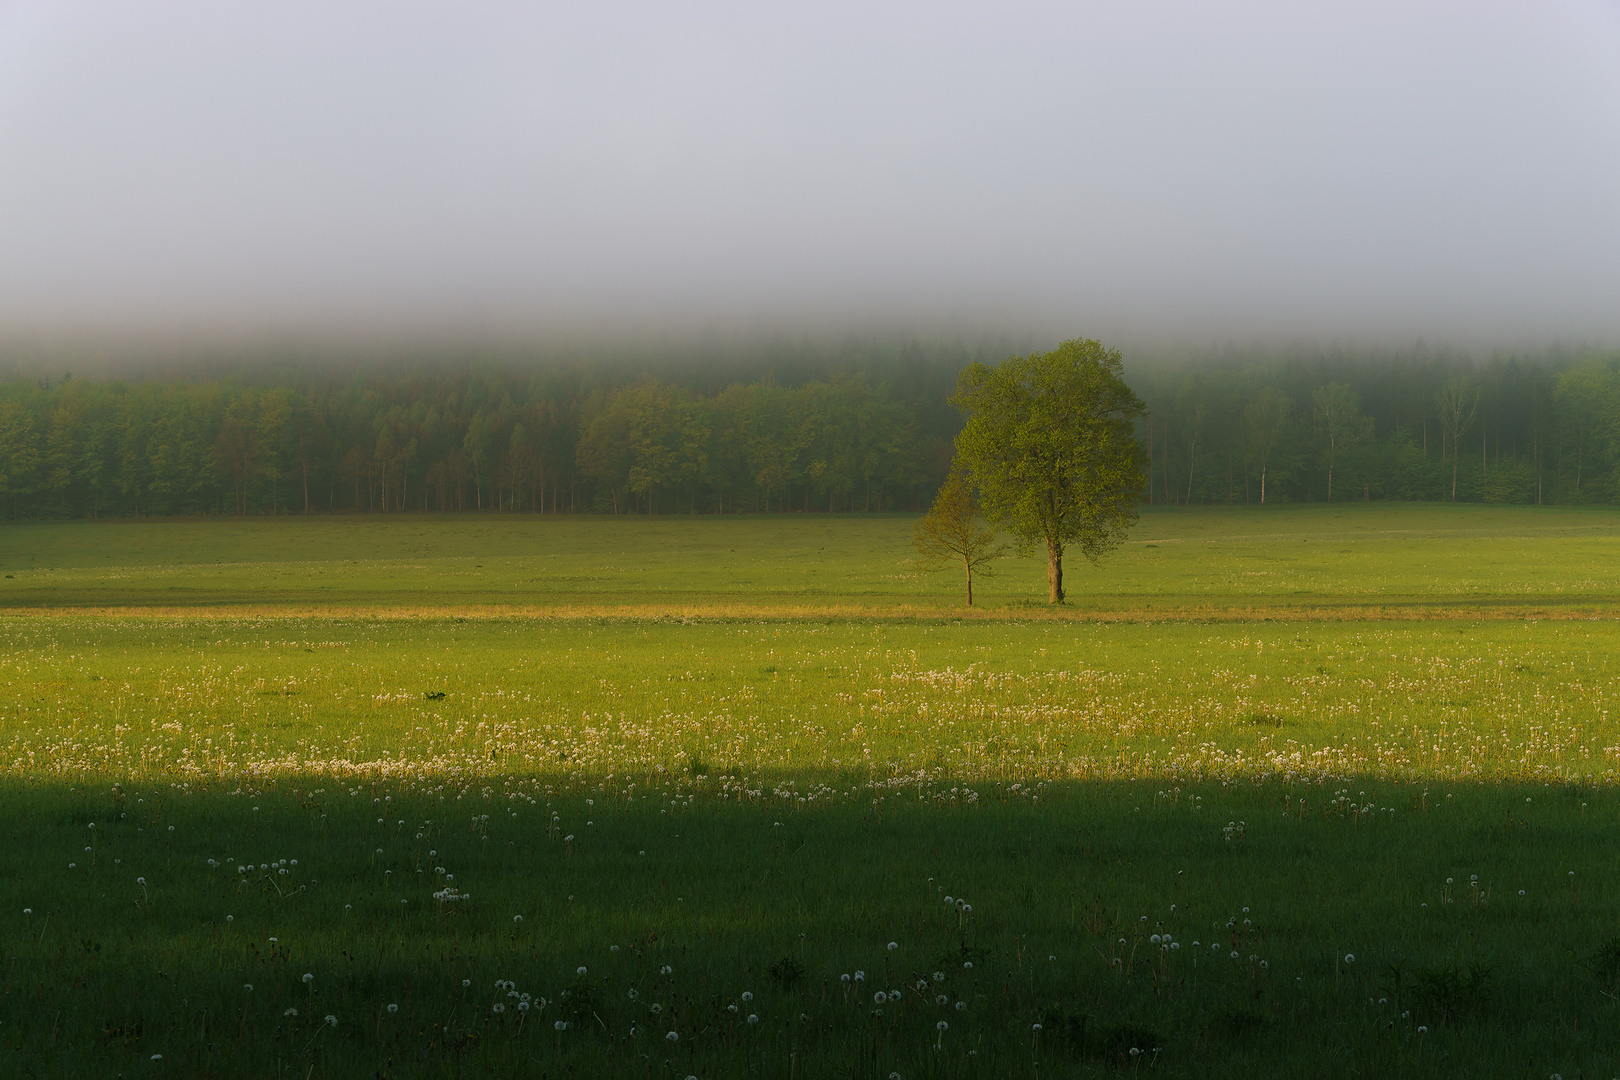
950,534
1050,444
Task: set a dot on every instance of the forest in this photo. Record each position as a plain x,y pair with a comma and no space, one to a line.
861,428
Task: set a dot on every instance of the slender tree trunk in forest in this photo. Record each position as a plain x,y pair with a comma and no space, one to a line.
1192,449
1150,462
1054,571
1169,500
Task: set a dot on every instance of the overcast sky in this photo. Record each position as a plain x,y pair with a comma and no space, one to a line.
1136,171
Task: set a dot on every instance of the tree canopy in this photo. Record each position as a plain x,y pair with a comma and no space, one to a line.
1050,443
950,534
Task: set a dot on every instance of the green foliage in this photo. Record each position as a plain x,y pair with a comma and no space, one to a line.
1050,444
950,535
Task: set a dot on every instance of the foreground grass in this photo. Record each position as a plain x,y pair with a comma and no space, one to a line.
296,930
501,835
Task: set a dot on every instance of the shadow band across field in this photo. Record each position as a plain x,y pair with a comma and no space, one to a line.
1346,927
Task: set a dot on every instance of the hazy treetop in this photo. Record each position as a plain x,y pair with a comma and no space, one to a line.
1142,172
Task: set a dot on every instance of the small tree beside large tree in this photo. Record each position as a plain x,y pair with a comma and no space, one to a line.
1050,443
950,534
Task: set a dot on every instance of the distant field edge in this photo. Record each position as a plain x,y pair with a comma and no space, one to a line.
1413,611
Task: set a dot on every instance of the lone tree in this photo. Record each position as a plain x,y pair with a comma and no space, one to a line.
950,534
1051,443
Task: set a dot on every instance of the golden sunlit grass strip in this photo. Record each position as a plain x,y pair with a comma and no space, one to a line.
788,611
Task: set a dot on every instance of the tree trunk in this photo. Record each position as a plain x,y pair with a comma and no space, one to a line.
969,567
1054,572
1262,483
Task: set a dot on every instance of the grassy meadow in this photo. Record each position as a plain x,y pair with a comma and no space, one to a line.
1314,791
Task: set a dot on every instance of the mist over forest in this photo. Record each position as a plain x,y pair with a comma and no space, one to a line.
863,426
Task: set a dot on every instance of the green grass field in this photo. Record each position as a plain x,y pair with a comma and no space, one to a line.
452,797
1360,559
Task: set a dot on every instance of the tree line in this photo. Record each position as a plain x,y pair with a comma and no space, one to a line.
1233,427
863,431
514,441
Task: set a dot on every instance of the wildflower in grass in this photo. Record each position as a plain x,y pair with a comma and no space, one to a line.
939,976
560,1025
860,976
331,1020
748,995
466,983
580,971
1349,958
942,1026
655,1008
247,988
666,970
732,1007
308,978
843,978
673,1036
942,1000
967,965
753,1018
879,998
393,1008
28,911
523,1006
499,1008
157,1057
1234,954
961,1006
289,1012
893,945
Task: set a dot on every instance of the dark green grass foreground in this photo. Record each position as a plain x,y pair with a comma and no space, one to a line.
595,925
